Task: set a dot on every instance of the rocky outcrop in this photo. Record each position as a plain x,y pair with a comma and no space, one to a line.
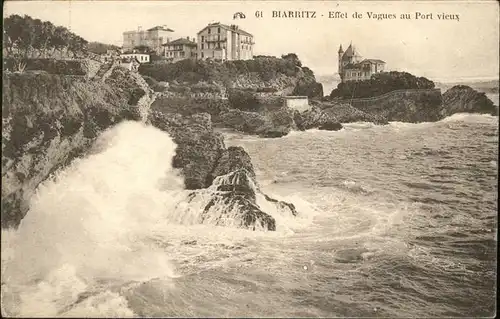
233,159
198,146
411,106
50,119
274,123
234,197
345,113
316,118
190,106
464,99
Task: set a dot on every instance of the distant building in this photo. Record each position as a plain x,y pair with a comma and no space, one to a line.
153,38
180,49
352,67
141,57
218,41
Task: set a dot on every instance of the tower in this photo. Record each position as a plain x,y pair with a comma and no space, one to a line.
341,53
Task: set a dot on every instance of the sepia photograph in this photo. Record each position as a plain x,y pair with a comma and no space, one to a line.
249,159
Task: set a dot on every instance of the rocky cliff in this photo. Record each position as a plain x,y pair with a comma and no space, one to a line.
49,120
464,99
282,76
412,106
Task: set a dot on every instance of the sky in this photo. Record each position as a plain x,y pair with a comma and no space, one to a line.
464,49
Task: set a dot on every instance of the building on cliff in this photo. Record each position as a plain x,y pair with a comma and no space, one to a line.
180,49
129,63
141,57
153,38
218,41
352,66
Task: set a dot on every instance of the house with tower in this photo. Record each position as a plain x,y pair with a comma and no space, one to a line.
352,66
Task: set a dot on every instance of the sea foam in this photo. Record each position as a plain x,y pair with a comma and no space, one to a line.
87,223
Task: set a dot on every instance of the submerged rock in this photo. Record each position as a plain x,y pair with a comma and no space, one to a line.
464,99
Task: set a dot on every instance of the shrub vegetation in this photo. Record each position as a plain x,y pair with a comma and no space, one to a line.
379,84
194,71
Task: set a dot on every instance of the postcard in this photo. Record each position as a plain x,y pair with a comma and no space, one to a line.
250,159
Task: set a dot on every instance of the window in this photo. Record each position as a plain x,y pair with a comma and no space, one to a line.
218,37
218,30
209,30
202,38
202,46
202,55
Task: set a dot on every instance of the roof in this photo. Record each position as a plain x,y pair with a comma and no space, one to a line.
352,66
134,53
373,61
349,52
183,41
160,27
227,27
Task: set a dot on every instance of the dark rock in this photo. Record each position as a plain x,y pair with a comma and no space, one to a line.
198,146
233,203
346,113
316,118
189,106
282,205
231,200
330,127
232,159
464,99
275,123
411,106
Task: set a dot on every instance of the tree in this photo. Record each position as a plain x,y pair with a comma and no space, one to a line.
25,37
292,57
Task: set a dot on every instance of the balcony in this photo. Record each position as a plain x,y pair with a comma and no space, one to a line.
247,42
215,40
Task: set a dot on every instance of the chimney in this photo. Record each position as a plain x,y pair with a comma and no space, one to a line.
187,38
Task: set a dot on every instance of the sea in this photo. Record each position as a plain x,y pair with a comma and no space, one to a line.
398,220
